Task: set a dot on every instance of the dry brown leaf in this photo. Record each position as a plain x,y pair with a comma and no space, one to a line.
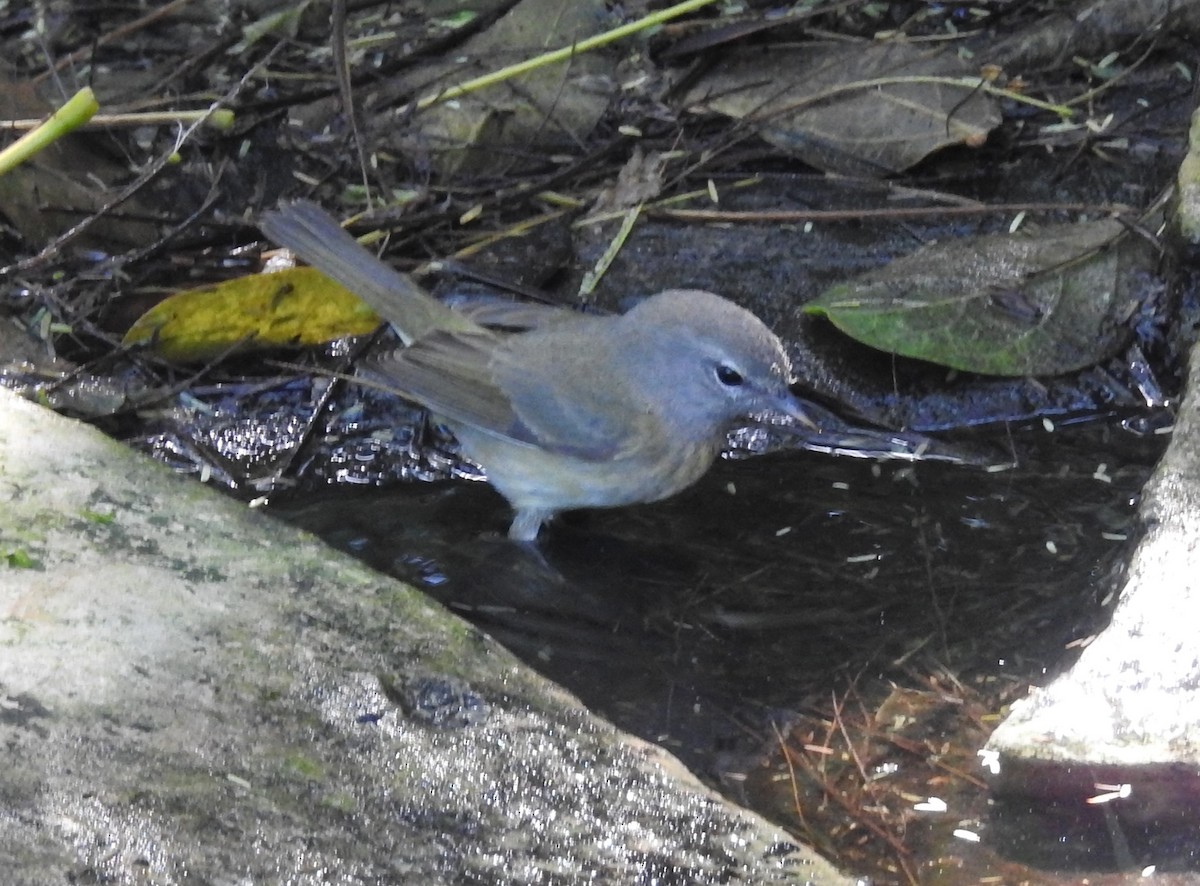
856,110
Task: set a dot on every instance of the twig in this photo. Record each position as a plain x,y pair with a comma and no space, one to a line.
221,118
792,216
973,84
133,187
795,785
341,64
112,36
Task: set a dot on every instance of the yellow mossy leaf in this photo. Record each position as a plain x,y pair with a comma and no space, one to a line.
292,308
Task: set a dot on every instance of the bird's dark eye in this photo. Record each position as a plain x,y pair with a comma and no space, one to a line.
729,376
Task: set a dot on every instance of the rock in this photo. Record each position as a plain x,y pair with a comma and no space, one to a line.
192,692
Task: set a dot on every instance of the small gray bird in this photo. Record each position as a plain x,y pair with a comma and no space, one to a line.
574,410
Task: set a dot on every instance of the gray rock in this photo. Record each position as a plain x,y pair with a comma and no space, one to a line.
193,693
1133,697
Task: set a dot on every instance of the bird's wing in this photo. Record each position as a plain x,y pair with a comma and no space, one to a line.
567,393
502,386
513,316
448,373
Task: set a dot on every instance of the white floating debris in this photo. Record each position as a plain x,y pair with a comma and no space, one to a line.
1051,546
1110,792
964,834
1081,642
783,531
990,760
933,804
1101,473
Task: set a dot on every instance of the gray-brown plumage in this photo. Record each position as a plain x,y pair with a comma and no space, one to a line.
575,411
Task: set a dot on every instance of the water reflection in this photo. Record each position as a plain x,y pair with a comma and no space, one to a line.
727,621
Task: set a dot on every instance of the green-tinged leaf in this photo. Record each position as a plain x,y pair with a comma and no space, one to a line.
19,559
292,308
1033,303
458,19
283,22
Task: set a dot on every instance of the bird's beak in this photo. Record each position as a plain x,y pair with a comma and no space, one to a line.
796,409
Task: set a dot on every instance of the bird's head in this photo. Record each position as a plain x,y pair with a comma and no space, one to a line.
707,361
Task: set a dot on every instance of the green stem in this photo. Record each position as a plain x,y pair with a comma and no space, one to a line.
562,54
77,111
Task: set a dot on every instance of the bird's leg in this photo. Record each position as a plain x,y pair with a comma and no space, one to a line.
527,522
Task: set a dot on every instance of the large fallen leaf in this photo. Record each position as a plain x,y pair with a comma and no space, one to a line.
858,110
1041,303
551,108
1088,29
291,308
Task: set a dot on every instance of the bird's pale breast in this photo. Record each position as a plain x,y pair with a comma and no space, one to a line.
539,479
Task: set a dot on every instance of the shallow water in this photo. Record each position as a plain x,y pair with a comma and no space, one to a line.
715,622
